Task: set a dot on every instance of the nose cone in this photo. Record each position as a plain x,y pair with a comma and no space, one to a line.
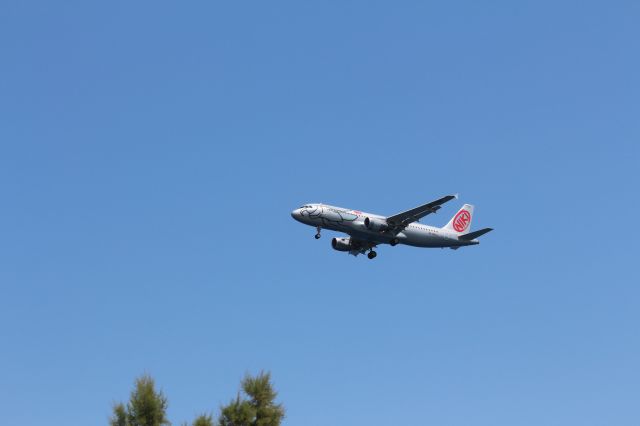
296,214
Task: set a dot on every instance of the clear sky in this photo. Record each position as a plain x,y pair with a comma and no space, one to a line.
151,152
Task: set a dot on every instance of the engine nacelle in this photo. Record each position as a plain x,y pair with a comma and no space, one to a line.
341,244
373,224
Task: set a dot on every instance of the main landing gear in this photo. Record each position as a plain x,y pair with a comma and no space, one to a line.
394,242
317,236
372,254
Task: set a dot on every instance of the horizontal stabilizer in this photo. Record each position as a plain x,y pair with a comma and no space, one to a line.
475,234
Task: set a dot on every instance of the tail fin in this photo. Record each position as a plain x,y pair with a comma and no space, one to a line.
461,222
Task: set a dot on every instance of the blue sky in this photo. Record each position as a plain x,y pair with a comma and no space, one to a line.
150,154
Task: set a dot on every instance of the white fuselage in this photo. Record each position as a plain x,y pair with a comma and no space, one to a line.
352,222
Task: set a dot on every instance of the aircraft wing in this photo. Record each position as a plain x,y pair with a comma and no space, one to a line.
401,220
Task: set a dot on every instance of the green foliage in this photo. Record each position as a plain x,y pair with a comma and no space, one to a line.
119,417
203,420
262,398
259,409
238,413
146,406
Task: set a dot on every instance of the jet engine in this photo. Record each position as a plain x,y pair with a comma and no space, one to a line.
373,224
341,244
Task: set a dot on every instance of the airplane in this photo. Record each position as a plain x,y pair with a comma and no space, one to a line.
366,231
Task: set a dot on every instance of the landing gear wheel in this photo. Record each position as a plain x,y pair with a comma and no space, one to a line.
372,254
317,236
394,242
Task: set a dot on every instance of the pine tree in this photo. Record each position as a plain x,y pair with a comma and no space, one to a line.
262,399
203,420
146,406
256,406
119,417
259,409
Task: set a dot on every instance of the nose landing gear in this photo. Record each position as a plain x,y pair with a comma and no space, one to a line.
372,254
317,236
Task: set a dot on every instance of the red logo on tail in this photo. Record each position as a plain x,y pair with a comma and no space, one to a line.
461,221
